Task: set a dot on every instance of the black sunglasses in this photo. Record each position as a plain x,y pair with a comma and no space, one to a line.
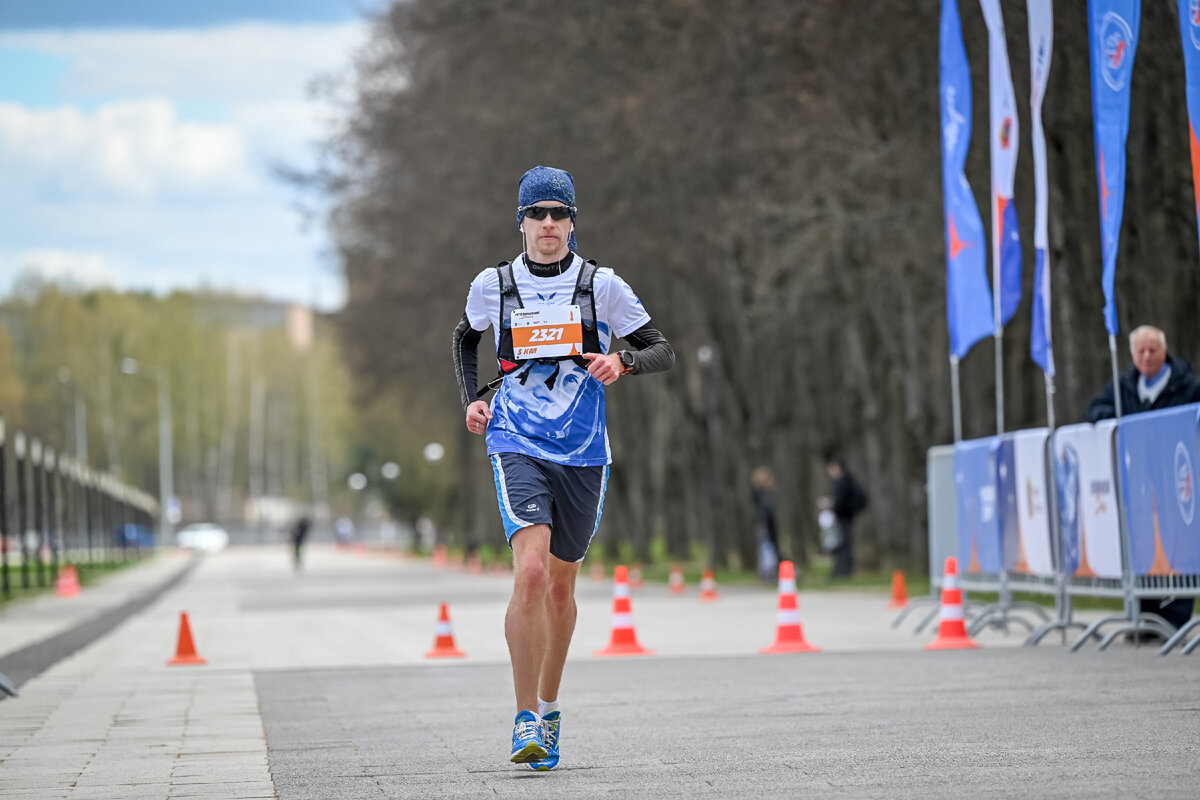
558,213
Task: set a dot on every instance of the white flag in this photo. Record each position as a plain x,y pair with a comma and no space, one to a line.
1041,40
1006,241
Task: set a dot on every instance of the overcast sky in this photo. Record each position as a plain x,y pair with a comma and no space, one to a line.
137,141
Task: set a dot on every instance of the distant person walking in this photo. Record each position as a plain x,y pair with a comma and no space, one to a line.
849,500
766,528
299,534
1156,380
555,317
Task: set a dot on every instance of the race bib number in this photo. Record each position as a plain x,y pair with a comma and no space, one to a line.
546,332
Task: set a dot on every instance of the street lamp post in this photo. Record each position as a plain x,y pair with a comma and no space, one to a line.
64,377
166,475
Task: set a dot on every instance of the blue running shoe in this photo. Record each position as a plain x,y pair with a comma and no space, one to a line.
527,743
550,725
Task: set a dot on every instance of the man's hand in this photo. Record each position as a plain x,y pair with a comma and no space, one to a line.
604,368
478,414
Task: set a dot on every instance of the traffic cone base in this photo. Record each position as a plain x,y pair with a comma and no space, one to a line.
443,643
799,645
185,648
963,642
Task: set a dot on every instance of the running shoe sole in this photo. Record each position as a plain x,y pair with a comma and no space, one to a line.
532,751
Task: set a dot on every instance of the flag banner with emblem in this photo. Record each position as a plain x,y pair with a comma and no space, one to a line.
1041,40
1113,34
1002,119
1189,27
1089,522
968,297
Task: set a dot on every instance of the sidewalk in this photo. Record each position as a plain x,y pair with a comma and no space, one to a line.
113,721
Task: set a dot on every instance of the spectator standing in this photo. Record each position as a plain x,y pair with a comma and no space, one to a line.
849,500
1156,380
766,529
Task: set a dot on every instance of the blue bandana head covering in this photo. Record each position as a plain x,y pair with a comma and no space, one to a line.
547,183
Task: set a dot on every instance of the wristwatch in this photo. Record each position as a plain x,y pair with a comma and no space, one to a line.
626,362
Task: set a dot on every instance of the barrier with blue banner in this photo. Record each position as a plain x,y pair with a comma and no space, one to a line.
1089,521
1158,471
976,496
1031,553
1136,538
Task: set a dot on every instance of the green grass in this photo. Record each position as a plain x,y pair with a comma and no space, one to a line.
88,574
814,578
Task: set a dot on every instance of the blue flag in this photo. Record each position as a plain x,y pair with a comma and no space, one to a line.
968,296
1113,32
1189,27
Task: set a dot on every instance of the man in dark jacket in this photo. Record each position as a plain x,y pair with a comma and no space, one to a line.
849,500
1156,380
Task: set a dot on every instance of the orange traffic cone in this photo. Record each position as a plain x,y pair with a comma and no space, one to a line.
635,576
675,582
789,636
443,643
67,584
708,586
624,640
899,591
952,633
439,556
597,572
475,564
185,649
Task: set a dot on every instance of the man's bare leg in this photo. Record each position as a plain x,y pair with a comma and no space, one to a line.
525,623
560,625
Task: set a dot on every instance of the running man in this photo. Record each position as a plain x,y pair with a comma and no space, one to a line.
555,316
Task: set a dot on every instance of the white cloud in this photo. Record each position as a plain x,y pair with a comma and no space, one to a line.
152,171
231,64
136,147
64,266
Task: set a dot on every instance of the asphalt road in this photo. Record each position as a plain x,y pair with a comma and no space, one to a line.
317,686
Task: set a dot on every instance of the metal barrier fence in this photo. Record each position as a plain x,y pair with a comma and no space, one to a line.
55,510
1104,510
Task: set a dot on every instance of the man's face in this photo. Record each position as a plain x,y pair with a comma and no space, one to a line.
547,239
1148,353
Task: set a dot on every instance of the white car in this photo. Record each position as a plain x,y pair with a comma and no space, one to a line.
202,536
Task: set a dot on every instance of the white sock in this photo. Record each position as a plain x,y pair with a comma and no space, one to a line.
545,708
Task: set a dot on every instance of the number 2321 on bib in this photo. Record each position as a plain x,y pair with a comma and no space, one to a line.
546,332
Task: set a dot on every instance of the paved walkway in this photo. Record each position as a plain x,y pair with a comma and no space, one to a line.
317,687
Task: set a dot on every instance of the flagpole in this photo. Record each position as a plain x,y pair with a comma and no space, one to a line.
999,383
956,401
999,335
1049,403
998,327
1112,350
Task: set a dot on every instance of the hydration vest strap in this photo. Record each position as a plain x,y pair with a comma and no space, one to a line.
510,297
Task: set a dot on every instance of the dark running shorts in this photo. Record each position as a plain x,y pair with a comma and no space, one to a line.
535,492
